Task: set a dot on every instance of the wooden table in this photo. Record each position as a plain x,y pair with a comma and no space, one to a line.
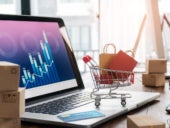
155,109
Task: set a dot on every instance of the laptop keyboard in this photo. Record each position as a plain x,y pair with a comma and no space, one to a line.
61,105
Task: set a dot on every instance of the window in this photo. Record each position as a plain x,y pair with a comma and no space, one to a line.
10,7
80,17
80,35
74,1
43,7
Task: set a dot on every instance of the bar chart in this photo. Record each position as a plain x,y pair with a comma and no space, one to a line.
43,68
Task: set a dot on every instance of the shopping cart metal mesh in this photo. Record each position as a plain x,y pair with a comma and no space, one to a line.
106,78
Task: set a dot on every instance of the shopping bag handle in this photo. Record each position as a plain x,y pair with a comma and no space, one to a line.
106,47
130,51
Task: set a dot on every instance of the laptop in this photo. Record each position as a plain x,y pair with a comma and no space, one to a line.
49,72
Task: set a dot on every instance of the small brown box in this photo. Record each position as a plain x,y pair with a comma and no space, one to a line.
156,66
12,103
10,123
153,79
143,121
9,76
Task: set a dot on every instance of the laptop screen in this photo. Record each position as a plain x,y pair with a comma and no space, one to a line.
40,48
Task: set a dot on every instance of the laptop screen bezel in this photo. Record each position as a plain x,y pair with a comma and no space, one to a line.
69,49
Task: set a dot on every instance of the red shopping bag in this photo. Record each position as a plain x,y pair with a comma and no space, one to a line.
123,62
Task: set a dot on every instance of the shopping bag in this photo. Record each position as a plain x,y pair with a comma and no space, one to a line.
123,62
105,58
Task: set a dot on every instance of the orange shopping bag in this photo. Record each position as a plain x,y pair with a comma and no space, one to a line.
105,58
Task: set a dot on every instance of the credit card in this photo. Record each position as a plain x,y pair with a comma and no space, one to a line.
80,116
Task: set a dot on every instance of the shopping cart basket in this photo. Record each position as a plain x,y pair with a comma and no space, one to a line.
108,79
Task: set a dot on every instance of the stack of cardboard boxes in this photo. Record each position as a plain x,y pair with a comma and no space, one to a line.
12,98
155,72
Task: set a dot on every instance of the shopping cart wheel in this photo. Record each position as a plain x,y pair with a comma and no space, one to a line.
97,101
123,103
123,100
97,104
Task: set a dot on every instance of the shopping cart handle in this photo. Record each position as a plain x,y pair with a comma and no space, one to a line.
87,59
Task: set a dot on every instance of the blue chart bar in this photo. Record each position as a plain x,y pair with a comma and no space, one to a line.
44,70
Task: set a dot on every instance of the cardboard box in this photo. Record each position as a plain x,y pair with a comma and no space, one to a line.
153,79
143,121
156,66
9,76
12,103
10,123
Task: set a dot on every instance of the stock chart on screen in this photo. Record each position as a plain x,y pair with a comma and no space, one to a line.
38,47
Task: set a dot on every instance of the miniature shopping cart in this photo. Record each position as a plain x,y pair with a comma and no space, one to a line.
110,80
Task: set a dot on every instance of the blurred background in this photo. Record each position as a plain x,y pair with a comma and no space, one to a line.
93,23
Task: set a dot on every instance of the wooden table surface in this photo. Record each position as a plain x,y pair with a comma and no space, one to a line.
155,109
